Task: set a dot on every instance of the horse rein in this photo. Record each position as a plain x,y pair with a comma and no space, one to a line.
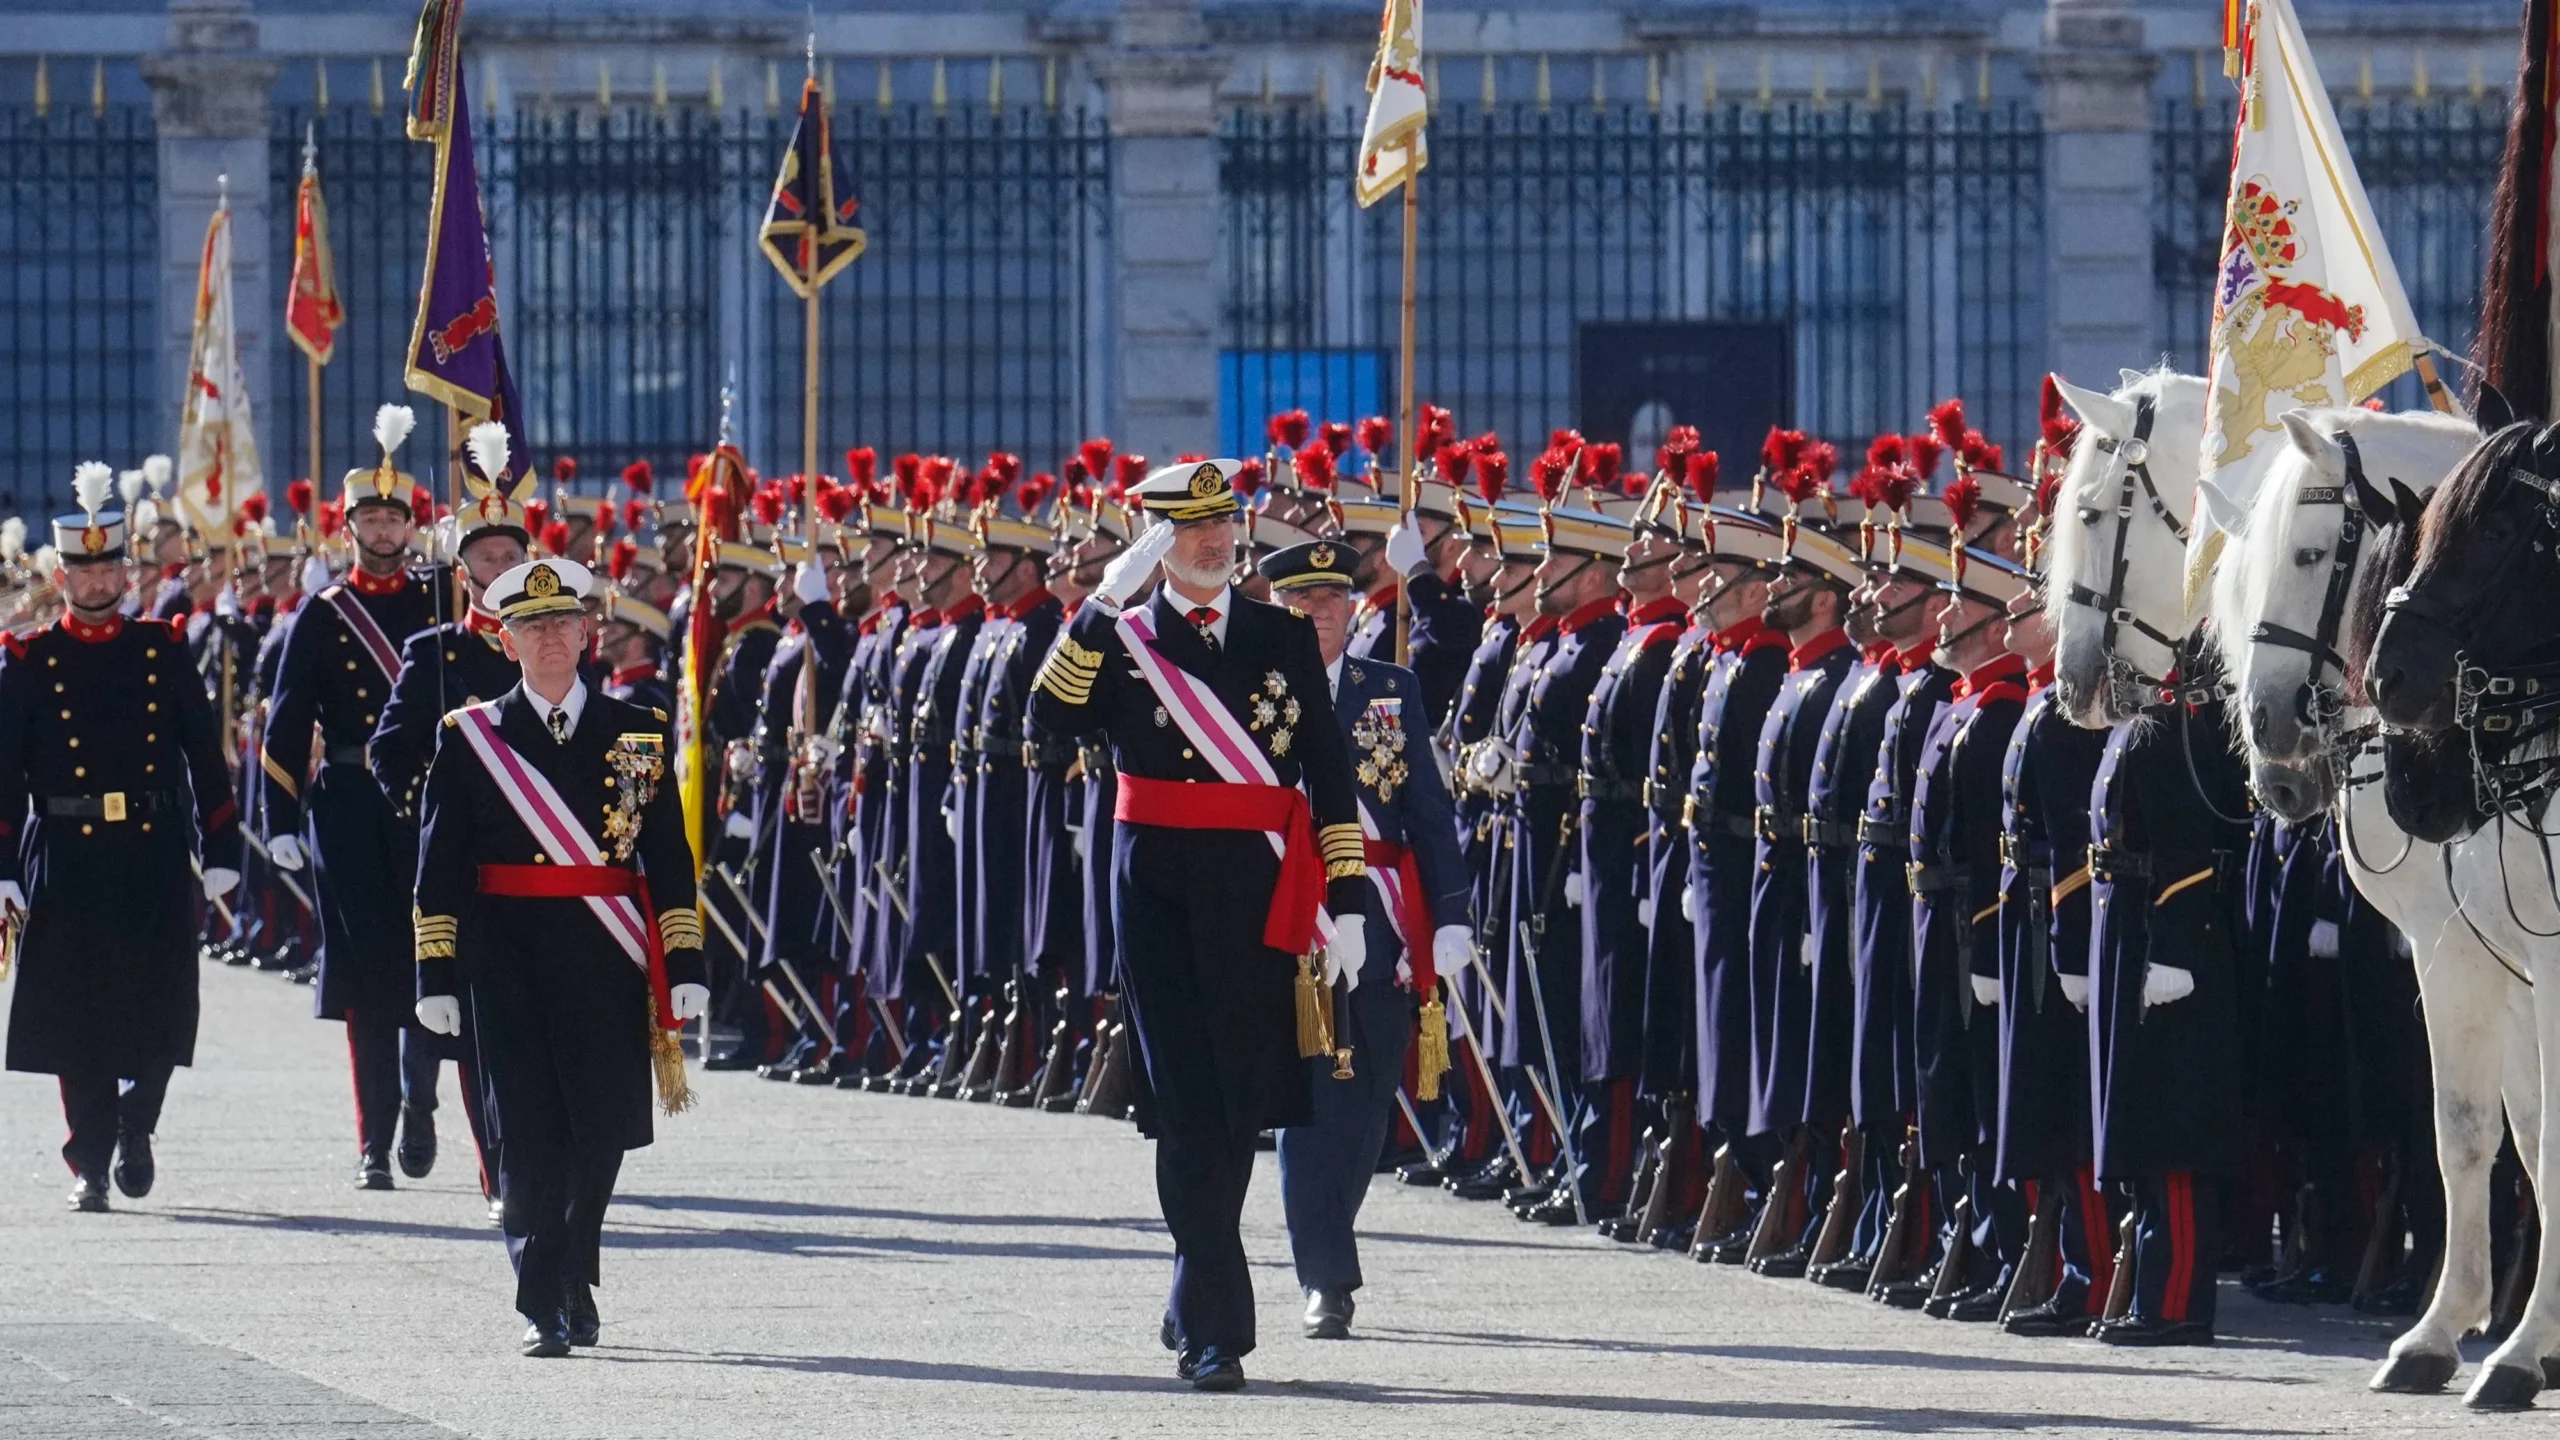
2320,705
2134,453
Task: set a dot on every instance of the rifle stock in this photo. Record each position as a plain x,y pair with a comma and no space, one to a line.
2040,1267
1782,1213
2120,1284
1727,1204
1903,1252
1848,1197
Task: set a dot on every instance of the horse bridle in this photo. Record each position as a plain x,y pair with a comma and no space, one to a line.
2317,704
2134,452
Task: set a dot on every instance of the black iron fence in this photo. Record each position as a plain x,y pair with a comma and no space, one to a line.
79,298
2429,167
631,291
1625,269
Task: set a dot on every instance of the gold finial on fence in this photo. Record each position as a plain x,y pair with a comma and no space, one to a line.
884,97
772,88
1768,79
2195,89
1929,79
2479,86
941,87
1546,87
2418,75
1875,84
604,86
1049,84
658,85
1324,89
1485,87
1710,93
374,92
995,85
44,88
1982,81
1821,83
827,86
713,91
98,86
1431,84
1599,82
320,85
1653,83
2364,78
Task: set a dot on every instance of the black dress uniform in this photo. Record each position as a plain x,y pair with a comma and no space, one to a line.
111,779
1782,972
560,1010
1954,876
338,673
932,850
1441,631
736,701
2044,1040
997,910
1209,996
801,686
859,818
1497,695
1617,919
2166,834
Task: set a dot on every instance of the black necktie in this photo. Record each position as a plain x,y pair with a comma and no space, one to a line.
1204,619
560,723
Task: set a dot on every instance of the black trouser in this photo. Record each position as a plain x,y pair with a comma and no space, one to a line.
554,1197
396,1063
1200,1183
99,1107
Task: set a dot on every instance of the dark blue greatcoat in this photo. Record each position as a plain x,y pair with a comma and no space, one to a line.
1886,1080
1669,1064
1617,744
1722,794
1844,764
2044,935
1549,744
1782,952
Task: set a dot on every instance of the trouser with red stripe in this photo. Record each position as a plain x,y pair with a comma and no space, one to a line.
1605,1143
396,1063
2177,1242
2087,1233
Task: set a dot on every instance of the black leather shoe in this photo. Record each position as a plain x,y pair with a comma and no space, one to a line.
497,1211
134,1170
1554,1210
580,1314
1730,1248
1328,1314
1485,1184
1979,1308
373,1172
89,1196
1850,1273
2047,1321
1907,1295
1675,1237
1212,1369
2156,1334
417,1142
547,1338
1423,1172
1172,1340
824,1073
1785,1265
730,1060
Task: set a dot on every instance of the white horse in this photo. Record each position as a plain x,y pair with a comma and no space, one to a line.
2279,599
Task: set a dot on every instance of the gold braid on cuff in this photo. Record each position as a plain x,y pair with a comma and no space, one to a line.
680,929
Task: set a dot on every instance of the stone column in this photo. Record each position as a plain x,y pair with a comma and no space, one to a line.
1161,76
209,99
2094,79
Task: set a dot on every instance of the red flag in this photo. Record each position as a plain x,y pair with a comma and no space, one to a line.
312,313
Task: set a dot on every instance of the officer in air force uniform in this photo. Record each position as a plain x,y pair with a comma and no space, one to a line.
1418,886
111,779
555,898
1213,925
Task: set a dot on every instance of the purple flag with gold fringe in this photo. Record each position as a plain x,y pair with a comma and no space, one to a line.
456,355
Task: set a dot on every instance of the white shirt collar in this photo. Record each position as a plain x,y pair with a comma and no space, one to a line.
1224,602
1333,676
575,702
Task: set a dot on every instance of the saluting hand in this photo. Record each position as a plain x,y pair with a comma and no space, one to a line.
1122,577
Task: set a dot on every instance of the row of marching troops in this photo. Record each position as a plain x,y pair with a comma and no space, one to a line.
1760,903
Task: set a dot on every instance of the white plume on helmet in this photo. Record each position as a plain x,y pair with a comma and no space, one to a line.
130,485
93,484
391,427
488,445
156,470
13,539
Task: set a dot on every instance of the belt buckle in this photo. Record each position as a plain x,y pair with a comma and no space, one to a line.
1688,812
1911,875
2008,850
1648,794
1805,825
1582,787
114,805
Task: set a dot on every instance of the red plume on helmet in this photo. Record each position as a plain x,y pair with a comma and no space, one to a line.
1096,455
1893,488
2054,421
254,507
1337,438
297,497
1437,427
1980,454
1451,463
537,514
1963,497
564,468
1781,450
1189,457
1035,492
1288,429
1672,456
635,513
1248,479
1924,451
908,470
837,501
1946,422
640,477
1699,470
1315,468
555,537
1377,433
1599,466
1075,473
861,464
996,477
768,507
1493,472
1886,452
332,517
1129,472
422,505
1549,472
617,562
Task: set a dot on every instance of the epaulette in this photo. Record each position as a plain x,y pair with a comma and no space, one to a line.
661,714
1656,633
1294,610
16,642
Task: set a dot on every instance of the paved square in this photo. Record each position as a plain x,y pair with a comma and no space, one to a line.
790,1262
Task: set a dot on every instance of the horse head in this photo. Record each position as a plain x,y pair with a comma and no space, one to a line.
2115,576
2480,592
2336,517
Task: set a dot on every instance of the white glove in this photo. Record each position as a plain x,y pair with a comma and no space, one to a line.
2324,939
1348,952
1405,551
218,881
1122,577
1689,903
686,1002
2166,984
1453,949
951,823
441,1013
809,583
226,603
286,851
13,901
1986,991
2075,988
1644,913
1573,889
1492,764
739,826
1082,849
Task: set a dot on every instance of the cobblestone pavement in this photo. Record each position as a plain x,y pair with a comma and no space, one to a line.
790,1262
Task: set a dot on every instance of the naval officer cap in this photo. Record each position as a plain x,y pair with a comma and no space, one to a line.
549,586
1308,564
1192,490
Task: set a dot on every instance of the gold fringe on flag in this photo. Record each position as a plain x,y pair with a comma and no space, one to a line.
1431,1058
1315,1012
666,1059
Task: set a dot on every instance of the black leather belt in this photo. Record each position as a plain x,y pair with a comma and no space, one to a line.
1891,833
1778,827
1664,800
1532,776
2109,863
2034,853
1617,792
342,754
113,806
1737,826
1818,831
1048,754
1930,879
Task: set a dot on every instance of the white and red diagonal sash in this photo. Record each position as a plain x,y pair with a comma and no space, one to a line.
360,621
555,826
1211,727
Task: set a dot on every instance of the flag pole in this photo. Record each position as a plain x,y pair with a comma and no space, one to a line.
809,404
1404,413
314,366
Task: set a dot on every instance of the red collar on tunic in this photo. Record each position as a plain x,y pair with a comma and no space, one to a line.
1587,614
88,634
1915,656
364,582
1992,676
1817,649
1032,600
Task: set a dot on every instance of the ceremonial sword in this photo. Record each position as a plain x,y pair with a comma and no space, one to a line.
747,907
844,920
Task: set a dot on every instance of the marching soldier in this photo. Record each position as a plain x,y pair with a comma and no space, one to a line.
801,685
744,580
341,661
1054,940
1210,916
111,768
1418,887
555,902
